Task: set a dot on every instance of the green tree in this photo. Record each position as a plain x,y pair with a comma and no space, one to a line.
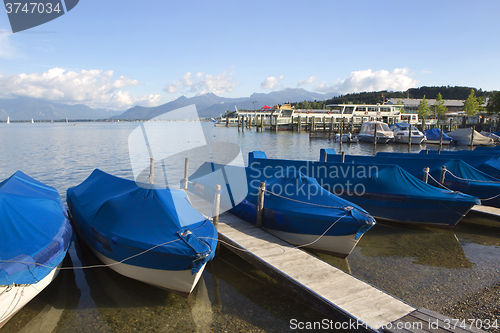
423,108
439,107
401,103
471,104
494,103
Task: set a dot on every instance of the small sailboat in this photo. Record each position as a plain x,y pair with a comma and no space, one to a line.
32,121
8,120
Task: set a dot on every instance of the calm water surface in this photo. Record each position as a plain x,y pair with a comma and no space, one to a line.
425,267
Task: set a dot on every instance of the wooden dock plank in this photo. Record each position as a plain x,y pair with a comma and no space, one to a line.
314,277
491,213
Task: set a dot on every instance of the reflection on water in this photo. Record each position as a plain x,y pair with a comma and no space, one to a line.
425,267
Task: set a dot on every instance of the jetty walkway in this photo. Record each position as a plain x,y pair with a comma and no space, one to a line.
349,302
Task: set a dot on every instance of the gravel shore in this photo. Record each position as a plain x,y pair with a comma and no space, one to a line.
483,305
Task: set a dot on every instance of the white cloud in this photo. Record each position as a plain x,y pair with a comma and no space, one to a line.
95,88
306,81
7,50
202,83
368,80
272,82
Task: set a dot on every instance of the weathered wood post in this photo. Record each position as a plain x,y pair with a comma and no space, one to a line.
215,219
449,128
443,174
375,135
440,139
312,124
152,170
343,156
409,137
227,119
299,124
472,137
238,123
186,167
260,204
426,174
324,156
340,133
331,125
423,123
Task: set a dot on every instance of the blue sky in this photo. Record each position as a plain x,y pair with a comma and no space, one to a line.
120,53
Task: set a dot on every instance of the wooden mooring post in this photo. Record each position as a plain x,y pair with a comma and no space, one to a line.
375,135
215,219
443,174
260,204
152,171
426,174
186,168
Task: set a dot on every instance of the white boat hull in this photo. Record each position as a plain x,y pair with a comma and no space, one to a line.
369,138
14,297
179,282
436,142
415,140
341,246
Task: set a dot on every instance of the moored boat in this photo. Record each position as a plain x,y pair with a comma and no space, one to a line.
402,133
467,136
296,208
385,191
459,176
35,234
347,138
367,132
433,136
147,233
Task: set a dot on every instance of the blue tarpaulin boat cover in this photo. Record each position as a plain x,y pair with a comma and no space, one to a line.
384,190
119,218
290,195
486,162
433,134
463,177
35,232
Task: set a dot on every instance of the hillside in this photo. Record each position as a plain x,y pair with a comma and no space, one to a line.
24,108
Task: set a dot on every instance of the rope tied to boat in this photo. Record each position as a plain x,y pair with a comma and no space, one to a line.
345,208
486,199
472,180
92,266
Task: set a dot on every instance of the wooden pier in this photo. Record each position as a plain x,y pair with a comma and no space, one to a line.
490,213
353,304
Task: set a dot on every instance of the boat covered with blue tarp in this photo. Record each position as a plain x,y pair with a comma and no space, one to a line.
459,176
296,208
35,234
484,161
433,136
383,190
153,233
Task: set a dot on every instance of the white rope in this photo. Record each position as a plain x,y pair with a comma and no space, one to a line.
496,196
7,313
303,202
293,247
93,266
440,183
473,180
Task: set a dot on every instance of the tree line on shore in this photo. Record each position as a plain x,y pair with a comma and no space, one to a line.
474,99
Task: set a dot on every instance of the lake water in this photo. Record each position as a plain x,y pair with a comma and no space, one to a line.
425,267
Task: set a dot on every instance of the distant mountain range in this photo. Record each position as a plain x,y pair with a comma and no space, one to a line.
208,105
211,105
25,108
